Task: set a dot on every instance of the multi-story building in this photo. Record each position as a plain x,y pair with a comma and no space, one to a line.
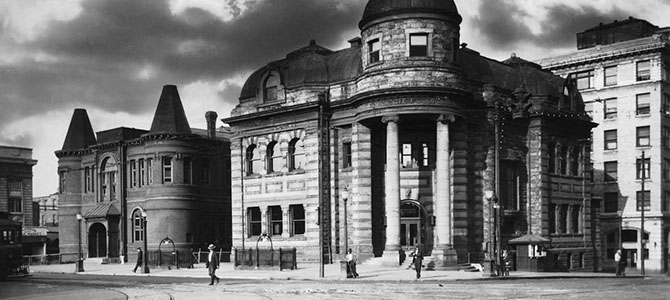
45,231
172,178
16,183
622,70
406,138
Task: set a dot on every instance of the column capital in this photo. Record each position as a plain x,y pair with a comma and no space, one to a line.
391,118
446,118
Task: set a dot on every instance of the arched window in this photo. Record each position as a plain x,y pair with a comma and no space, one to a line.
552,158
296,155
273,158
253,160
138,226
270,89
108,179
575,158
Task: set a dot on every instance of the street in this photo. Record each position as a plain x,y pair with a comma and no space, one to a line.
101,287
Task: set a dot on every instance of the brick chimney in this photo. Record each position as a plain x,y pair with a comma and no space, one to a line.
211,124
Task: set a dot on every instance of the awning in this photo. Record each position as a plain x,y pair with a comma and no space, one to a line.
529,239
102,210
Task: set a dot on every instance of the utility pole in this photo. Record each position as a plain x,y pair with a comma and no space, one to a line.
642,209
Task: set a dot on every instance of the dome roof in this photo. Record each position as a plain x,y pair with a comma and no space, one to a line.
308,65
381,8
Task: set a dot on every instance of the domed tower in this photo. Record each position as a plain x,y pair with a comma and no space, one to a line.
419,35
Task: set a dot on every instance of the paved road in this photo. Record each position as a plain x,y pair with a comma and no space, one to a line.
101,287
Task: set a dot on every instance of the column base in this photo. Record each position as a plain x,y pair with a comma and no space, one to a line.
488,268
390,258
444,259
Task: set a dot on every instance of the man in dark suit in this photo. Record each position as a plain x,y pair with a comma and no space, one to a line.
212,264
418,260
139,259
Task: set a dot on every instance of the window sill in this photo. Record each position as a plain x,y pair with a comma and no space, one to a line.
347,169
610,119
296,172
374,64
643,116
271,103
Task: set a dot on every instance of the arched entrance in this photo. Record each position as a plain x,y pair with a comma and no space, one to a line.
97,241
412,224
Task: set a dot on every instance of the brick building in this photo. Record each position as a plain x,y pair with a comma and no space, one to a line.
392,143
623,72
177,175
16,183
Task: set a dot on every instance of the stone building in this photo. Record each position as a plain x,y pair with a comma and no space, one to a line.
16,183
392,143
623,72
177,175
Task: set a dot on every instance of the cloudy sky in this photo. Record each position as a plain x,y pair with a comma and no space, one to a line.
113,57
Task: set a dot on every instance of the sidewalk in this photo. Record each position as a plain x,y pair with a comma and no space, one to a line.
306,272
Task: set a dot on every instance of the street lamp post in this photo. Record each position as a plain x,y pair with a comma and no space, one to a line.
493,253
80,261
345,196
145,269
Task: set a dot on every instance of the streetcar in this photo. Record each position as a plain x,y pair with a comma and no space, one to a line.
11,249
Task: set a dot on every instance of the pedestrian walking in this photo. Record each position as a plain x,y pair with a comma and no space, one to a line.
620,263
140,258
351,263
212,264
418,260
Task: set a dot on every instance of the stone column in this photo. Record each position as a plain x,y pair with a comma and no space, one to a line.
442,201
392,187
444,253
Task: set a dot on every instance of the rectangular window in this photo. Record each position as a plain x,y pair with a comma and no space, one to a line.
167,169
346,155
647,200
642,134
424,160
406,155
642,168
143,172
374,47
643,70
666,137
609,107
666,201
275,219
610,76
138,227
643,104
610,139
611,201
204,170
665,107
133,173
187,170
112,186
583,80
666,169
14,205
87,180
588,109
418,44
297,219
150,171
509,185
254,217
61,182
611,171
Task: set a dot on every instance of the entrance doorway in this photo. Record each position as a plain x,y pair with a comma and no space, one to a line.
97,241
412,225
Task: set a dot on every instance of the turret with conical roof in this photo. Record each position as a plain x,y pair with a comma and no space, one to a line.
170,116
80,133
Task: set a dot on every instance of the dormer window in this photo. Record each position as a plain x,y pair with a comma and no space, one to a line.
418,44
270,89
374,47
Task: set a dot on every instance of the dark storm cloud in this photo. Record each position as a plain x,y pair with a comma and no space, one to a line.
109,42
502,23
